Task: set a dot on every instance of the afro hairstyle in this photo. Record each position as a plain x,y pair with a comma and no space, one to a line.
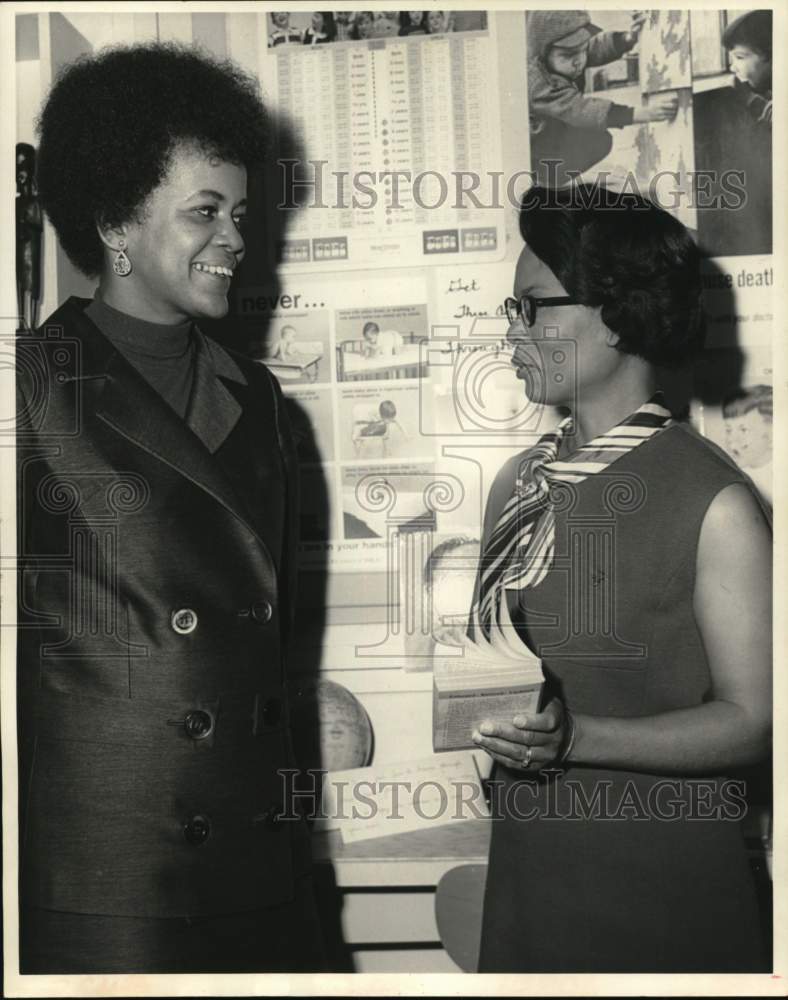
111,122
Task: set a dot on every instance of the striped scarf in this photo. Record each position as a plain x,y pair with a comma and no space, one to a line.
521,548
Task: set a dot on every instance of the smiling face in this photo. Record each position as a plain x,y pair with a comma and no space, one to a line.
750,67
281,19
436,21
187,243
568,352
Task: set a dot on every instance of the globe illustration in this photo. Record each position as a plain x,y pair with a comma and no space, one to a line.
331,730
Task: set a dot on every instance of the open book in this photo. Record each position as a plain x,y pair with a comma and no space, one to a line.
484,683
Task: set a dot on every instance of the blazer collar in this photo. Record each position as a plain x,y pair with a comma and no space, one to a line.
213,410
123,400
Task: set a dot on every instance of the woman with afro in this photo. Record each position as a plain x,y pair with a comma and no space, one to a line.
634,558
157,515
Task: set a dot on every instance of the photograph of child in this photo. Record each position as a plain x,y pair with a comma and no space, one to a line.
363,26
748,40
733,132
296,352
735,386
343,21
439,22
412,22
286,346
321,27
282,32
382,421
449,578
386,23
440,599
747,415
376,430
321,30
380,343
569,129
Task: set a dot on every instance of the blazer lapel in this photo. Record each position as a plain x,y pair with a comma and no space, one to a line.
213,409
125,402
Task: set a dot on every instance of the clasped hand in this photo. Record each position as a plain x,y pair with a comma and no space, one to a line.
531,742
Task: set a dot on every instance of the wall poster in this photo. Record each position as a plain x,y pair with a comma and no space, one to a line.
394,125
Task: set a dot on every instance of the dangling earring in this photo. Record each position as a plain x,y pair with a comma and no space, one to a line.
121,265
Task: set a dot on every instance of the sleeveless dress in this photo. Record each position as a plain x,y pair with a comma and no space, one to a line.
602,870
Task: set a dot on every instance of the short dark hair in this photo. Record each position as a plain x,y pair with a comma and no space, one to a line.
387,409
112,120
617,250
753,29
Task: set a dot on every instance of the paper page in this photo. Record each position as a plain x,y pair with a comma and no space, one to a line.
369,802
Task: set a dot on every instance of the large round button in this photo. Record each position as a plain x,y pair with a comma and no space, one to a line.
262,612
197,829
272,711
183,621
198,724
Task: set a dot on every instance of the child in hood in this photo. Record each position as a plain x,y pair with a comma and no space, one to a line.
566,126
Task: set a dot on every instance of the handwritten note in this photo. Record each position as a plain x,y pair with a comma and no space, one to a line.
470,297
368,802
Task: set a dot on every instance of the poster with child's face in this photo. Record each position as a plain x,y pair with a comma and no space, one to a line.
383,421
384,342
738,411
675,105
321,28
297,348
436,596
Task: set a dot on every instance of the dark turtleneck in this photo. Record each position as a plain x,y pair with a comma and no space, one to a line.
163,354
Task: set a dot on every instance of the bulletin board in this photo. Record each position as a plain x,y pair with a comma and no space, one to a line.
454,408
398,447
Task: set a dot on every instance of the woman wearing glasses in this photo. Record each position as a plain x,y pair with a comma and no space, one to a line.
633,558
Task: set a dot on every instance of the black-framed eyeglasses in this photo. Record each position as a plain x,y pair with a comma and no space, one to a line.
525,307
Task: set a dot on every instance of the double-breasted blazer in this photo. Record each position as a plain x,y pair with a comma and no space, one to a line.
156,583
